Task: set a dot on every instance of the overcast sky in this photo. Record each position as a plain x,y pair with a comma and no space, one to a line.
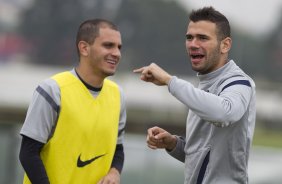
257,17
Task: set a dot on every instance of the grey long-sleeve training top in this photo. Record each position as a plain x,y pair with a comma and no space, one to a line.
220,126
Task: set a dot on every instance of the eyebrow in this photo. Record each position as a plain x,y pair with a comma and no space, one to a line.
197,35
109,43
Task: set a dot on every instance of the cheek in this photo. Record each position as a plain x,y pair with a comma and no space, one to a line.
211,48
186,45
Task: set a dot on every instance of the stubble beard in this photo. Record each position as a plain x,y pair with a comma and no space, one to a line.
208,63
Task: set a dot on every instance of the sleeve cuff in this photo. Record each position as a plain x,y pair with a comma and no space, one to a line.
171,83
176,146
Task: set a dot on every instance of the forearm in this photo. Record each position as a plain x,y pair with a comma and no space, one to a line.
178,152
118,159
113,176
31,161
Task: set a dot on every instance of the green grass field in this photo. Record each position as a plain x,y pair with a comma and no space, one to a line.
268,138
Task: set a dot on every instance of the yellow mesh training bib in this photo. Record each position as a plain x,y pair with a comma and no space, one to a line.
83,144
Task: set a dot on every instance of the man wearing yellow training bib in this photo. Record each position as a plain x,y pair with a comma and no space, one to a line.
74,128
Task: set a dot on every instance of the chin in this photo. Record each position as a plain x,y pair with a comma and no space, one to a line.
109,73
195,68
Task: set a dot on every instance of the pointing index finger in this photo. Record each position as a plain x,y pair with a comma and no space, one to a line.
139,70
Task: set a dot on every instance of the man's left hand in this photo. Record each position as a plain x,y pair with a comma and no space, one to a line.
113,177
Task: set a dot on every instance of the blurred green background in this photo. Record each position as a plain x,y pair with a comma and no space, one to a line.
37,40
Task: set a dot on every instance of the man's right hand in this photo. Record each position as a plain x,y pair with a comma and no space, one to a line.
160,138
155,74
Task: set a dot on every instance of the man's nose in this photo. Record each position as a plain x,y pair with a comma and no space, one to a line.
116,52
194,43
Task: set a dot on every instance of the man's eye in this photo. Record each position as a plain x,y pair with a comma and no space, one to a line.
203,38
108,45
189,37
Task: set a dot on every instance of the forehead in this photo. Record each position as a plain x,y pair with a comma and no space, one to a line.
109,35
201,27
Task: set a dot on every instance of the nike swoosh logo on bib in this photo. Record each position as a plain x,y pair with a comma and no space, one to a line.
81,163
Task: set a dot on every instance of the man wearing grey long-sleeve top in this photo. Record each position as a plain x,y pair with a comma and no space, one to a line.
221,119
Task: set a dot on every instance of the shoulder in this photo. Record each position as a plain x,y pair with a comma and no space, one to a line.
113,84
49,88
64,78
235,74
237,81
118,87
49,85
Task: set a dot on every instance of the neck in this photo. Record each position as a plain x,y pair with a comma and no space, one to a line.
89,77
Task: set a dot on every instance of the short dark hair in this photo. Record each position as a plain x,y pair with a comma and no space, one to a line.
89,30
212,15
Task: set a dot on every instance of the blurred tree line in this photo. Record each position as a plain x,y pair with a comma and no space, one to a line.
152,31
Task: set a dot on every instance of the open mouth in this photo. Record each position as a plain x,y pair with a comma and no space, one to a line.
197,56
112,62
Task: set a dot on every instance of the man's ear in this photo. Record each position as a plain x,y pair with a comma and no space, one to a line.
225,45
83,48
